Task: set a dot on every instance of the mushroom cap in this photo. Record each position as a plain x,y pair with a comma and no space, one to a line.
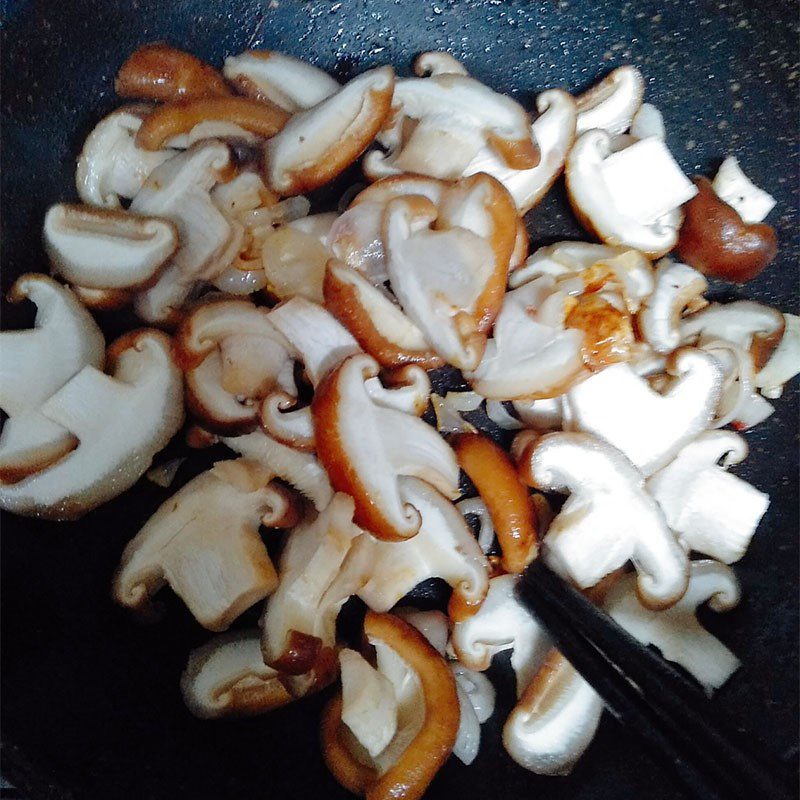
613,103
366,447
209,527
106,249
607,519
502,623
555,719
619,406
120,421
676,631
554,132
288,82
320,142
712,511
677,285
227,677
597,206
110,165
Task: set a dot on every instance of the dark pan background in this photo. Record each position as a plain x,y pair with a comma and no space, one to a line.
90,704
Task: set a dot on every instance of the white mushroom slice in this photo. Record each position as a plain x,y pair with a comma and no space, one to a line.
737,190
315,336
318,225
642,178
502,623
433,625
208,528
283,421
227,677
648,122
299,623
211,129
366,447
611,104
35,363
179,191
369,705
120,422
677,286
102,249
474,506
712,511
456,116
554,721
110,165
438,277
541,415
301,470
607,519
531,353
554,133
784,363
443,548
676,631
476,704
619,406
320,142
437,62
356,239
288,82
562,259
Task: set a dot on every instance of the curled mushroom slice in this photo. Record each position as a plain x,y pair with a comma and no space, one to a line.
676,631
111,166
677,287
562,259
104,249
712,511
554,721
495,477
365,448
784,363
648,121
630,198
619,406
288,82
378,324
591,537
501,623
159,72
174,119
754,327
120,422
426,710
454,116
433,625
554,133
611,104
476,704
718,242
531,353
439,277
299,623
320,142
437,62
210,527
443,548
227,677
301,470
178,191
738,191
36,363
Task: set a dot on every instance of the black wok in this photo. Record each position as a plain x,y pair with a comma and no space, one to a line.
90,706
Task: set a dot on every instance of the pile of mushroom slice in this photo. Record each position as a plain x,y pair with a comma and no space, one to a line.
303,343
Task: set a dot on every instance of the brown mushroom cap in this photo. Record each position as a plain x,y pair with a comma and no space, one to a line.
159,72
495,477
715,240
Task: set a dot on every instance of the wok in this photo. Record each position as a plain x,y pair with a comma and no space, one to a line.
91,707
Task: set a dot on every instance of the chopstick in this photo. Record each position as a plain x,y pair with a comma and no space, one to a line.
667,713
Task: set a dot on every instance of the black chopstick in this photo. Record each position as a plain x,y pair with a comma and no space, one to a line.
667,713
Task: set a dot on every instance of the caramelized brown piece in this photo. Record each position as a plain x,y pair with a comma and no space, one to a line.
607,331
160,72
181,116
717,241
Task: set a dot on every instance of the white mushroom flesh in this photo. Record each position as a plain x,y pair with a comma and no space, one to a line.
737,190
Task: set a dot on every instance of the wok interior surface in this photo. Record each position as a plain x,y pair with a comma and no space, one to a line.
91,707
